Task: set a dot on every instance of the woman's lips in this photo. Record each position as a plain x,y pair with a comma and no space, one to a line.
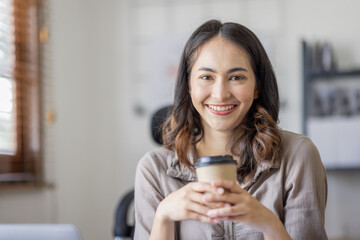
221,109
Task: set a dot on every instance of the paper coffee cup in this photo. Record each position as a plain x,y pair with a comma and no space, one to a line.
214,168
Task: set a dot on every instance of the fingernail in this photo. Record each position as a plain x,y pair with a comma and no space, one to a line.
211,213
206,197
220,191
215,221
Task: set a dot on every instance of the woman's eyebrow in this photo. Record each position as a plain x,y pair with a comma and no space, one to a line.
231,70
206,69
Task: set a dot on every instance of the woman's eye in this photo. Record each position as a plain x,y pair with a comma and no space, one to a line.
206,77
237,78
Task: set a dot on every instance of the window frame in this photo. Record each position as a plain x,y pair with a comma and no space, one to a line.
25,166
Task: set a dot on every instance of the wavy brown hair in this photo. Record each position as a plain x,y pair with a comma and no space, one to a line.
258,138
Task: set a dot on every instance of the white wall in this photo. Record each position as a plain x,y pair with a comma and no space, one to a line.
88,163
98,66
94,167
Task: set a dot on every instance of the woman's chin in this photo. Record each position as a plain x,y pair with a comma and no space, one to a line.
222,127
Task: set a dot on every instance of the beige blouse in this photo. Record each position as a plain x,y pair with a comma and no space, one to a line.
294,187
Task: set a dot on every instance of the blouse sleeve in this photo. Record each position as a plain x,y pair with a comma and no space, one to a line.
147,196
305,193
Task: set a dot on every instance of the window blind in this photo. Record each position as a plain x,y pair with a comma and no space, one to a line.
7,111
19,92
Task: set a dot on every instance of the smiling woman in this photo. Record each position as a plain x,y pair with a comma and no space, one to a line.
227,103
234,67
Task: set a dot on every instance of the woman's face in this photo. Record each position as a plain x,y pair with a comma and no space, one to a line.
222,85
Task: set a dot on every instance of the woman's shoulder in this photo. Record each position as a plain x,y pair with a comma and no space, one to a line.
295,141
159,158
297,149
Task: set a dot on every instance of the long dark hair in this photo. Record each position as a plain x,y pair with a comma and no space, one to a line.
258,139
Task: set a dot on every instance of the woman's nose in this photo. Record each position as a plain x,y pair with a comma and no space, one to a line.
220,91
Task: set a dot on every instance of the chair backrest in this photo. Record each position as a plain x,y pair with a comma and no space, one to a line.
122,228
157,121
39,232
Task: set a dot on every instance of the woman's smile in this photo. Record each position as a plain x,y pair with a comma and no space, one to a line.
221,109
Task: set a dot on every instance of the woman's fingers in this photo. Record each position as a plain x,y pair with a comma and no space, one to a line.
199,198
226,212
217,187
199,217
201,187
198,211
228,185
231,198
198,208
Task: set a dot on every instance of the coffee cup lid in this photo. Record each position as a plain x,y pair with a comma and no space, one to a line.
210,160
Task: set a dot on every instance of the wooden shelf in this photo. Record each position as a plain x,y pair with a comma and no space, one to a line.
21,187
316,74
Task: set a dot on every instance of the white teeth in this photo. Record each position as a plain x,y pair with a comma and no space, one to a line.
219,108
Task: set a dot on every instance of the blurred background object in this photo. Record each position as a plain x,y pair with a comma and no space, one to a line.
331,117
106,65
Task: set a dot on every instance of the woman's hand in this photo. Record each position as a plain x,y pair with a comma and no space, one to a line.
186,204
242,207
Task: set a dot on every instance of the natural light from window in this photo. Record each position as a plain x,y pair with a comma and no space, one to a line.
7,106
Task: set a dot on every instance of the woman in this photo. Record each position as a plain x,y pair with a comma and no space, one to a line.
226,102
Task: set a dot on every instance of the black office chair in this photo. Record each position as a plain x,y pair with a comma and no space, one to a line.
122,229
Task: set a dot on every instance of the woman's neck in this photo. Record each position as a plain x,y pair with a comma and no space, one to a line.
213,143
